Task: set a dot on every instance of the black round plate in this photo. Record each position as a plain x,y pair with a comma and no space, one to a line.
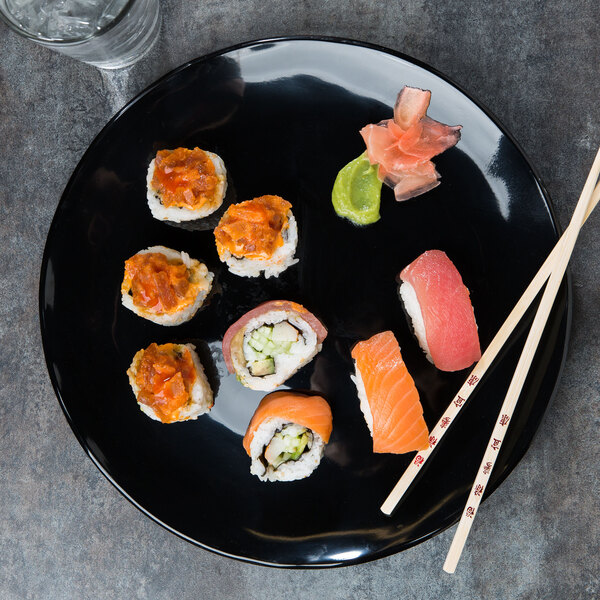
285,114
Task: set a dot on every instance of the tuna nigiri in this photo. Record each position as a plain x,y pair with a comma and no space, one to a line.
388,396
287,435
403,147
440,308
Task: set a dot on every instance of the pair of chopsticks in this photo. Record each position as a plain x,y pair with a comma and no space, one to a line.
553,271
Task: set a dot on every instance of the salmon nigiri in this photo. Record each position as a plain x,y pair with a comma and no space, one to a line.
388,396
287,435
440,308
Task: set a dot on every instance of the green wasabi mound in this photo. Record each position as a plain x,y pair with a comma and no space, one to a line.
356,192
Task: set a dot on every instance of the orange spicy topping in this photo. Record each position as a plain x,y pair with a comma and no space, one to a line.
165,378
252,229
157,284
184,178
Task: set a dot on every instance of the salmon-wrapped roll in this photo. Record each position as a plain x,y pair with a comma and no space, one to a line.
287,435
271,342
169,382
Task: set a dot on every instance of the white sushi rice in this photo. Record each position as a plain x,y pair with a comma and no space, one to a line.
365,407
290,470
178,214
287,364
282,258
201,396
200,278
411,304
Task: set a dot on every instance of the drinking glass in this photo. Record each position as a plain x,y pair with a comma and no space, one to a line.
109,34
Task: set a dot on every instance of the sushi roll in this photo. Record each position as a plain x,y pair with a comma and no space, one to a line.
257,236
270,343
439,306
164,286
185,185
388,396
287,435
169,383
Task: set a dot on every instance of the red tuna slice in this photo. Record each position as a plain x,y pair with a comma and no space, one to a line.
427,138
266,307
450,326
411,105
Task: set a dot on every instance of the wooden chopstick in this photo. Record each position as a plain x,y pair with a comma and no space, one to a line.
537,328
480,368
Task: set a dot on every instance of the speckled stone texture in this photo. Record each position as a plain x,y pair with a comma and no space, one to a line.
66,532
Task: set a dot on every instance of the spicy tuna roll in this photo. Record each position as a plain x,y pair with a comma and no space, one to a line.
257,236
165,286
287,435
271,342
184,184
169,383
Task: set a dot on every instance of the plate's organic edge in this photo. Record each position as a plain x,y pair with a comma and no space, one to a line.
329,39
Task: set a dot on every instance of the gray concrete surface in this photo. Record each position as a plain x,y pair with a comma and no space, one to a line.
65,532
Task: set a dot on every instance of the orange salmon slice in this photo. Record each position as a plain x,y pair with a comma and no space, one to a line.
312,412
398,423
